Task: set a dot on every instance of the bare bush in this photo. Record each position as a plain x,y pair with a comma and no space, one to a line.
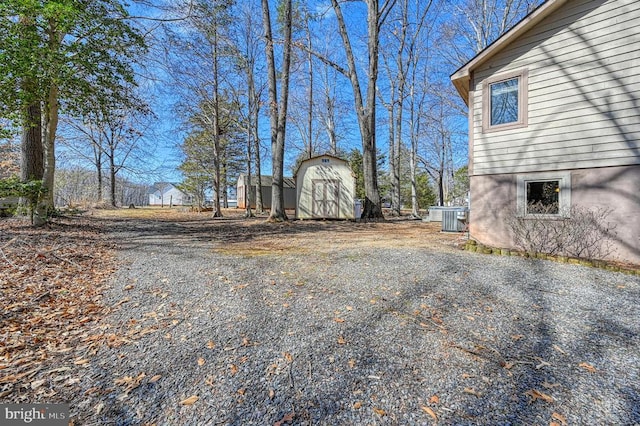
576,232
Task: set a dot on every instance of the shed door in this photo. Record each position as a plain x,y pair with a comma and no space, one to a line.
325,196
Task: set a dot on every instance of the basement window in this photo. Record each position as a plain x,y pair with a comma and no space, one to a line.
544,194
543,197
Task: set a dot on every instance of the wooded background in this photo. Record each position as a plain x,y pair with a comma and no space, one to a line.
109,97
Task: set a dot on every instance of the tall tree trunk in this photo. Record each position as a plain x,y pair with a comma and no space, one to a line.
257,155
32,158
112,180
366,113
330,115
46,205
397,151
441,187
216,127
278,110
395,210
413,167
310,98
331,128
98,164
247,182
414,127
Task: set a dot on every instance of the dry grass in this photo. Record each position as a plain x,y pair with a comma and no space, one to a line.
234,234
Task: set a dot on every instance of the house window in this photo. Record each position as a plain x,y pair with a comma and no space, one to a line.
505,101
546,193
543,197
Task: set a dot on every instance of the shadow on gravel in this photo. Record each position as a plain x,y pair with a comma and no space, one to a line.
482,334
550,349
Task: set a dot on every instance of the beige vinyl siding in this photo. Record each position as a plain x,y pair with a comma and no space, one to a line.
559,32
583,92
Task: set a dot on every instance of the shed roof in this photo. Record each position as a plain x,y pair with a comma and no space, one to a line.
267,180
318,156
462,77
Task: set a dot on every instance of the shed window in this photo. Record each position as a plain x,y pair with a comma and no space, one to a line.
505,101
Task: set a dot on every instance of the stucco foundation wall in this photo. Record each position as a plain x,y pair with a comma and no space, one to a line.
493,199
618,189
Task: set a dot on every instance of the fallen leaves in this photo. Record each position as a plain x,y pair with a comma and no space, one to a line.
37,383
561,420
590,368
472,391
51,280
430,412
535,394
189,401
129,383
379,411
285,419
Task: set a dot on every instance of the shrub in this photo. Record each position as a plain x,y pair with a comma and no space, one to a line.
30,190
576,232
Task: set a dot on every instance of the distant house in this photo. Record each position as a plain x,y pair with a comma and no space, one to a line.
167,194
325,187
554,120
243,186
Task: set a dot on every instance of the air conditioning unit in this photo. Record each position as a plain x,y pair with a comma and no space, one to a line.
454,219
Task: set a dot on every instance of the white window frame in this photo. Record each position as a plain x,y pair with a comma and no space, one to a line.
523,101
564,196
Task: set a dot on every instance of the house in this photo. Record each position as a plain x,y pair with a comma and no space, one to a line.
554,121
289,186
325,188
167,194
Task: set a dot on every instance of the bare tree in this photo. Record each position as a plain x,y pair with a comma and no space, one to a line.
474,24
329,110
400,58
366,108
277,107
111,136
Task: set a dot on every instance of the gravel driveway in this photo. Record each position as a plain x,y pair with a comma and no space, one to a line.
206,333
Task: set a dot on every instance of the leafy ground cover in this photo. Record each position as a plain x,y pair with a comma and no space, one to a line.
51,279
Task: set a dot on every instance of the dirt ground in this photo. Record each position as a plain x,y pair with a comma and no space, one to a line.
233,232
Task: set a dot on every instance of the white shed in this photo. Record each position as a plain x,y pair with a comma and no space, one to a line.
325,189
